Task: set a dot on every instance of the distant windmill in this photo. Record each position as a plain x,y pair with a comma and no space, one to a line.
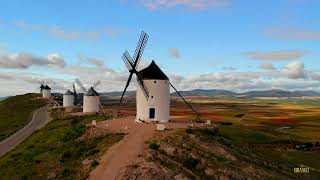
46,92
153,90
70,98
91,99
41,87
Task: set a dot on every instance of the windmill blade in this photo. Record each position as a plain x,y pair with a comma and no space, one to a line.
102,108
127,62
198,115
125,89
79,83
140,48
96,84
75,102
144,89
128,57
142,86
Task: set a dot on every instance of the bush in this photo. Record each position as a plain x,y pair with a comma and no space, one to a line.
208,131
94,163
190,163
239,115
154,146
189,131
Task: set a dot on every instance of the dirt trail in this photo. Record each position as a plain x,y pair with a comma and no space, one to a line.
124,152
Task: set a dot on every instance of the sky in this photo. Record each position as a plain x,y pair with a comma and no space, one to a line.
237,45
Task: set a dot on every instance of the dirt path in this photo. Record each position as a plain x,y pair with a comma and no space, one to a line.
124,152
39,119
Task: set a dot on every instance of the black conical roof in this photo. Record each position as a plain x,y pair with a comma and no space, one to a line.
68,93
92,92
46,87
42,86
152,72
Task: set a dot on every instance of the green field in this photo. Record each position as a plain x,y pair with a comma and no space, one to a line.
60,150
16,112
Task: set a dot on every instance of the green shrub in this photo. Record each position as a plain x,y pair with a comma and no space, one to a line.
239,115
189,131
94,163
154,146
207,131
190,163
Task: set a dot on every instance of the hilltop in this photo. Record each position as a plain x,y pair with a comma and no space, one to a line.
217,92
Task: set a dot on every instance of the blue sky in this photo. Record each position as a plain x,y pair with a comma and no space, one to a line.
224,44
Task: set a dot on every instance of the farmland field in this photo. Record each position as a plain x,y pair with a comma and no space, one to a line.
266,128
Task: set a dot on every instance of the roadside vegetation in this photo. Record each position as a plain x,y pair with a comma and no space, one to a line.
66,148
16,112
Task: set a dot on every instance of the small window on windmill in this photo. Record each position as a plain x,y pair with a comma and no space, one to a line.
151,97
155,81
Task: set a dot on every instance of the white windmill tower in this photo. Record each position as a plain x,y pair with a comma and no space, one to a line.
91,99
70,98
46,92
153,90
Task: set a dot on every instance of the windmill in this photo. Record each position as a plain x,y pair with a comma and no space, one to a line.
70,98
153,90
91,99
41,87
46,92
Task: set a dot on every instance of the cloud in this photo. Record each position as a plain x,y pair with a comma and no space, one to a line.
229,68
92,61
191,4
58,32
174,52
293,33
267,66
63,33
294,70
114,31
276,55
26,60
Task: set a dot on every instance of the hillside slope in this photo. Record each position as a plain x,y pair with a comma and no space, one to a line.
15,113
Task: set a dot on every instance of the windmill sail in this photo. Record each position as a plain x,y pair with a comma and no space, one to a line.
132,64
198,115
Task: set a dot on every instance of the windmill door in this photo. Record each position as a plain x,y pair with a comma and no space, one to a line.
152,113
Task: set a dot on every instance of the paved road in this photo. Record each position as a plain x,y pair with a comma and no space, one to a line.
39,119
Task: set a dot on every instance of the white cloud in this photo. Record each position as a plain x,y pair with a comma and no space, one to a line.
267,66
276,55
114,31
293,33
57,31
71,34
192,4
92,61
26,60
294,70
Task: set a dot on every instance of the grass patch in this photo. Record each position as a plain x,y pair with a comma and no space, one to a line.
16,112
57,150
